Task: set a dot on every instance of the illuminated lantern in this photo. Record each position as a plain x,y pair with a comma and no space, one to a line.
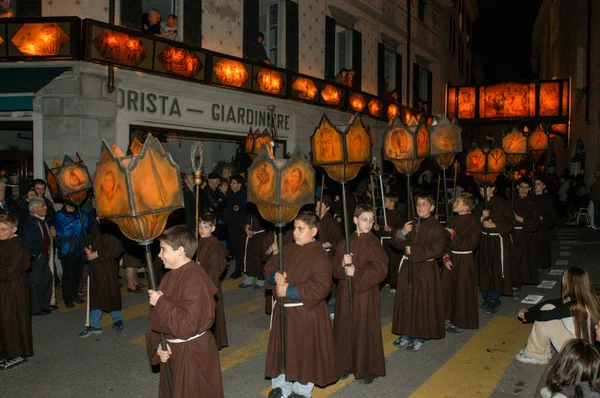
40,39
357,102
256,140
331,95
69,181
375,107
539,142
279,187
120,47
446,141
393,111
138,192
231,72
515,146
305,88
269,81
486,165
180,61
341,153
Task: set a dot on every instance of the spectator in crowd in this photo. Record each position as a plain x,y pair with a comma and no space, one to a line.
6,206
189,201
35,232
151,21
595,198
39,186
226,173
565,185
70,242
392,96
258,52
342,77
235,218
576,373
210,196
168,28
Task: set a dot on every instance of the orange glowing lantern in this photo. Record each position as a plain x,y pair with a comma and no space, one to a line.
515,146
375,107
256,140
269,81
40,39
486,165
231,72
539,142
392,111
69,181
304,88
357,102
279,187
446,141
138,192
406,146
180,61
341,152
331,95
120,47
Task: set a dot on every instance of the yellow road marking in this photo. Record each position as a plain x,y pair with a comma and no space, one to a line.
388,349
230,284
245,307
232,356
128,313
476,369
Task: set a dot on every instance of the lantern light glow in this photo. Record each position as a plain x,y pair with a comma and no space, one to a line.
180,61
231,72
331,95
269,81
40,39
305,88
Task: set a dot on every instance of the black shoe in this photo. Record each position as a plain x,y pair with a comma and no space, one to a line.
485,305
236,275
53,308
492,308
368,379
69,304
78,300
42,312
9,363
276,393
242,285
344,375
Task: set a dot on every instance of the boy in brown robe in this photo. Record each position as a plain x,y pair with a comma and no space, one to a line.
358,340
105,291
254,267
184,310
15,312
527,219
495,277
545,208
303,286
459,274
212,257
394,221
418,306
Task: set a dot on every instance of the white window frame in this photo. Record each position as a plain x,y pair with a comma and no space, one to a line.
389,69
347,37
263,24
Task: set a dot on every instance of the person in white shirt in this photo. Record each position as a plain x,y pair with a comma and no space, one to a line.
168,28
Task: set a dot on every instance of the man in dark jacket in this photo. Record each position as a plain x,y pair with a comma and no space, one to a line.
210,196
189,200
235,218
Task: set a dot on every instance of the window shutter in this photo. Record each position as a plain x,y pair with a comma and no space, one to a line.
357,59
429,91
399,76
380,70
291,35
192,22
415,85
250,25
329,48
131,14
29,8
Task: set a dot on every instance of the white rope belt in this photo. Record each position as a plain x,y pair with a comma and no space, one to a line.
404,257
176,341
501,248
518,227
462,252
287,305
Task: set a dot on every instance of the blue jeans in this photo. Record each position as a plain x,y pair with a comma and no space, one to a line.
492,297
96,316
331,305
407,337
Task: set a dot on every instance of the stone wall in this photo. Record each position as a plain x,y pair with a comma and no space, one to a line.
222,26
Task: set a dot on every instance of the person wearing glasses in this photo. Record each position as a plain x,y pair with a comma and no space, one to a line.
358,339
36,234
419,304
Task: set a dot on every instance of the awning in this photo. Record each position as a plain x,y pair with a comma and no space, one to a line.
18,85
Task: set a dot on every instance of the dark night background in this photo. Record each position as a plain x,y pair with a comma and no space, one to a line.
502,38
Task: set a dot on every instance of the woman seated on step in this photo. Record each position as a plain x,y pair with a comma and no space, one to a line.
557,321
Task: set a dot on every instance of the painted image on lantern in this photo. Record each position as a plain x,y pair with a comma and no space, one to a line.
399,144
294,186
112,198
262,183
358,144
328,145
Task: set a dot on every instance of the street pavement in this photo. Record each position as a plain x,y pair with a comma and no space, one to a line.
474,363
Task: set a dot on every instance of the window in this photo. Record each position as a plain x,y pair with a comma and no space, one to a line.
389,70
166,7
270,23
343,48
421,12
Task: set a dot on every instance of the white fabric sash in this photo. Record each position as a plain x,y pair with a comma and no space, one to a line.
177,341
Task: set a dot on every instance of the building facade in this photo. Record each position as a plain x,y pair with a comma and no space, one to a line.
565,44
69,104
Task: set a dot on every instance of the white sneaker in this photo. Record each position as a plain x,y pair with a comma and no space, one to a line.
524,358
400,342
392,292
415,346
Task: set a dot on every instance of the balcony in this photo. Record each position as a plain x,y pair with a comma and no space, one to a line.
69,38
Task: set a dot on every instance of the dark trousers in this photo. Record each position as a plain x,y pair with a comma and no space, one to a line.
72,270
596,220
236,243
40,284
